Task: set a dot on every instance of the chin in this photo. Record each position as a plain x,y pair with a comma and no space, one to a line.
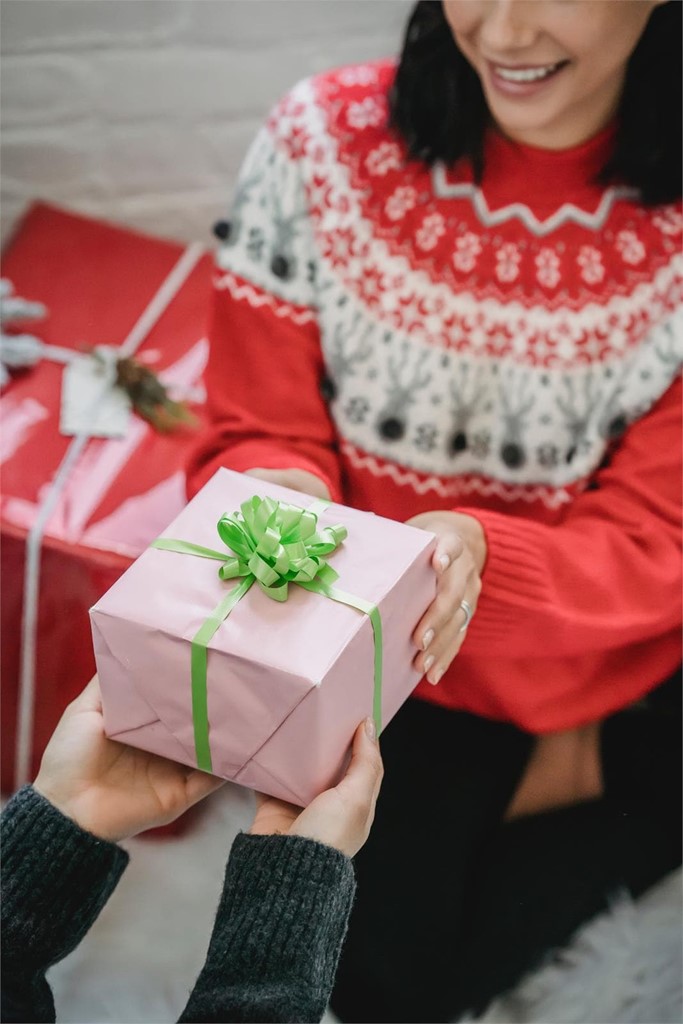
526,126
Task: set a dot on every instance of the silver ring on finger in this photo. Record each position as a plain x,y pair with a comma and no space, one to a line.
469,612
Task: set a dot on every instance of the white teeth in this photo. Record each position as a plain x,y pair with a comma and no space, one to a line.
526,74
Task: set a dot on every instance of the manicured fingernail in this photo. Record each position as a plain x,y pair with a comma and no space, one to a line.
444,562
428,662
370,729
427,639
435,676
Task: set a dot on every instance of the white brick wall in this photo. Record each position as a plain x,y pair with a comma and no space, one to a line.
141,110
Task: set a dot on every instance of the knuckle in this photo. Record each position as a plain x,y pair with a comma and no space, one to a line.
471,564
453,577
378,769
442,613
457,543
445,602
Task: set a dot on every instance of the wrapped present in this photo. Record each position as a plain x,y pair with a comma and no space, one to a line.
259,630
77,510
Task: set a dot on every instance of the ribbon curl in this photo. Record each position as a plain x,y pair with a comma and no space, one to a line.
279,544
273,544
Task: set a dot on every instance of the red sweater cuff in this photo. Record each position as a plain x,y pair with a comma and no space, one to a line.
514,580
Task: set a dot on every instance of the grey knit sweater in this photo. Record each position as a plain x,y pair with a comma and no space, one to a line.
276,940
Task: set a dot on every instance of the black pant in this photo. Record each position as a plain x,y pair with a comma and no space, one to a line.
453,906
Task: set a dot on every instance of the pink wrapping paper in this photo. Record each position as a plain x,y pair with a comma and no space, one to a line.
287,682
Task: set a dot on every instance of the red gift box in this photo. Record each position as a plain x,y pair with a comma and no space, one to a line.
102,500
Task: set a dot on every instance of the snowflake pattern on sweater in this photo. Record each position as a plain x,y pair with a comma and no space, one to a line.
462,337
421,342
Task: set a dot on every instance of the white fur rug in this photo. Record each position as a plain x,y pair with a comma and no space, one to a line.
141,958
624,967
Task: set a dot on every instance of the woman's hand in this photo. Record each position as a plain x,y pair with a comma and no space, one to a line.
459,561
339,817
107,788
295,479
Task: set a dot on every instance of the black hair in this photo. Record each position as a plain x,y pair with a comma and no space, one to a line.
437,105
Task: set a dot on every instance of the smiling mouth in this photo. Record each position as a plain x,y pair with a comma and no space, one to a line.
522,76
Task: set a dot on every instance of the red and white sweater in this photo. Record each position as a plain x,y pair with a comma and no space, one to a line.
509,350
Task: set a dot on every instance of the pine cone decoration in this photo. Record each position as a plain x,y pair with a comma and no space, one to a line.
150,398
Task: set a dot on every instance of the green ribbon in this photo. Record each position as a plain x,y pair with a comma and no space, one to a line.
273,544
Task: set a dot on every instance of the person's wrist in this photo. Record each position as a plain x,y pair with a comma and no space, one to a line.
473,534
76,807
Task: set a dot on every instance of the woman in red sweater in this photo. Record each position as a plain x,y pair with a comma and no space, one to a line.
449,293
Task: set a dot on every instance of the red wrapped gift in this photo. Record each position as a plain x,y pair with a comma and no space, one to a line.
76,511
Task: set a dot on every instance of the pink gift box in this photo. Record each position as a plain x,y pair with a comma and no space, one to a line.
287,682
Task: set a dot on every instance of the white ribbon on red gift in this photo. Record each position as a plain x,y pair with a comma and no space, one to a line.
29,623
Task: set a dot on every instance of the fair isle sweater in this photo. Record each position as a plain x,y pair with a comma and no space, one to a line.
510,350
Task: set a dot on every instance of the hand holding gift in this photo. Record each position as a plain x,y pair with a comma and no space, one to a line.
109,789
459,560
286,899
339,817
116,791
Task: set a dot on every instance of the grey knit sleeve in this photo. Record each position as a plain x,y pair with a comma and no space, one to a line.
278,932
55,880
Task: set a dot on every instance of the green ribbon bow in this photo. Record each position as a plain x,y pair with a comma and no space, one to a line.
273,544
